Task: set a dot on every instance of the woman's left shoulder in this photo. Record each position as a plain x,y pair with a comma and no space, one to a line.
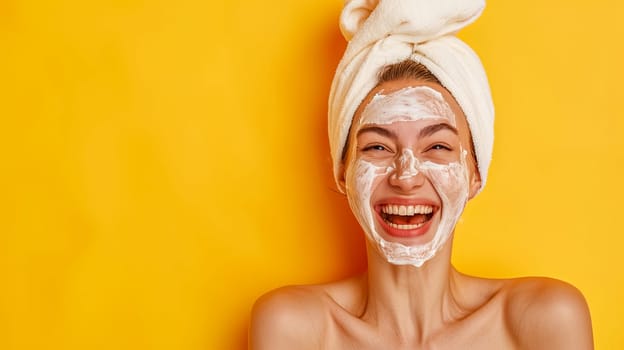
545,313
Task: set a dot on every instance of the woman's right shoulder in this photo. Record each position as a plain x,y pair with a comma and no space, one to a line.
301,317
289,317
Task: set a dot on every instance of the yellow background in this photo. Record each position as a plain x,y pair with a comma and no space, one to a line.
163,163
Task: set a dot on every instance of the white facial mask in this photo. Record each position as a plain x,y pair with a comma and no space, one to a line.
451,181
407,104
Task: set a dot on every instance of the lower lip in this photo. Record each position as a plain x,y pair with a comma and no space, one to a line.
395,232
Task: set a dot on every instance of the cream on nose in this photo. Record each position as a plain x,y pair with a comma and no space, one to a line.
406,165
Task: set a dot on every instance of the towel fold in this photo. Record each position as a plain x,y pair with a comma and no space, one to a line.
385,32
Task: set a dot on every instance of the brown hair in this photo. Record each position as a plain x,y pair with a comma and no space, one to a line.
407,69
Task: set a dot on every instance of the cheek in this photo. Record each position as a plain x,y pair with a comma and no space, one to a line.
451,183
447,180
362,178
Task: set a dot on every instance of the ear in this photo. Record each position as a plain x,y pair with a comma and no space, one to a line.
342,182
475,184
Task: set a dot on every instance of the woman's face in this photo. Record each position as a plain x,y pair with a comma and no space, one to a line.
408,174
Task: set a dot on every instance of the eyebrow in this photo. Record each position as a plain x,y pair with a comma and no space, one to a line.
432,129
378,130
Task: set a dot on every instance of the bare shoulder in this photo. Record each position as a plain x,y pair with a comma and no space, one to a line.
287,317
294,316
544,313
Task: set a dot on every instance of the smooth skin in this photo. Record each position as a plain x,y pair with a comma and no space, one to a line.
430,307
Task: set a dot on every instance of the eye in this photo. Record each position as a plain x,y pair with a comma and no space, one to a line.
440,147
374,148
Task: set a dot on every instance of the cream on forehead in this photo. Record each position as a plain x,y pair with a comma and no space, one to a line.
408,104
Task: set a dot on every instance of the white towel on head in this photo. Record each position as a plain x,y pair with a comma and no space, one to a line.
384,32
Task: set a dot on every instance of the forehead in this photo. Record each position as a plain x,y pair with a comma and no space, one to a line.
411,103
398,87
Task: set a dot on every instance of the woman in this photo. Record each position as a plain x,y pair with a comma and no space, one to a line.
411,123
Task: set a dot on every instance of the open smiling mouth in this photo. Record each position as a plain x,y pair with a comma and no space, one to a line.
406,217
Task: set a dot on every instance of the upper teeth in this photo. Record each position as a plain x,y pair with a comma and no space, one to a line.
406,209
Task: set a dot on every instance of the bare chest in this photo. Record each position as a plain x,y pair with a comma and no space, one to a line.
483,329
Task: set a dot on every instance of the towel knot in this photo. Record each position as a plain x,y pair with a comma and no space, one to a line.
423,20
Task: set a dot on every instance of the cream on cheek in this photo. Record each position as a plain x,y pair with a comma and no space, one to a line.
449,180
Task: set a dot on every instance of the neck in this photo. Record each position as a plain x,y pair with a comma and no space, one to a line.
412,302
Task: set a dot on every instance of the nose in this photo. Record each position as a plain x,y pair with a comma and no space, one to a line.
406,176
